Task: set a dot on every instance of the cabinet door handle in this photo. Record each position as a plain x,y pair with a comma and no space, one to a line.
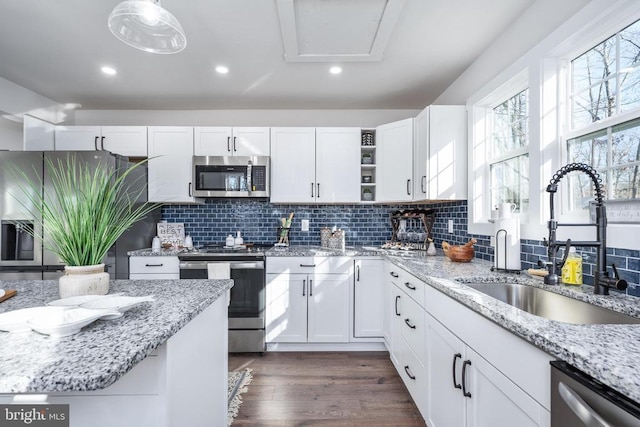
410,286
318,190
394,274
307,265
422,184
234,144
357,273
102,143
312,190
396,305
153,265
464,379
310,287
228,144
95,143
408,187
409,324
406,369
455,360
190,192
304,288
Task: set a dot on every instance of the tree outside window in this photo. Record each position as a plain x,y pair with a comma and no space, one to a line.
605,83
509,156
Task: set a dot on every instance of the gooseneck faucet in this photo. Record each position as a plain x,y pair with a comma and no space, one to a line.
602,282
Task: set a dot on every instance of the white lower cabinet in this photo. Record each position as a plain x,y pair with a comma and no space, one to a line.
305,304
461,369
466,390
368,298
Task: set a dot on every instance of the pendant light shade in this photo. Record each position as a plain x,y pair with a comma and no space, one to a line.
145,25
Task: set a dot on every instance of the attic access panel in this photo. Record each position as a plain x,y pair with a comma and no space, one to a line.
337,30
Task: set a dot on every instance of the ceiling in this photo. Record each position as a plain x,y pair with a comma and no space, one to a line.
395,54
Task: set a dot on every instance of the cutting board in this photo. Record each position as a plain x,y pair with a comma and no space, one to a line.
8,293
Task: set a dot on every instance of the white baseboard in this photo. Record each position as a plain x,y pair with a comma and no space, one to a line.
371,346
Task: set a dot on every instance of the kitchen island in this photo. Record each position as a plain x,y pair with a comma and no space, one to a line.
162,363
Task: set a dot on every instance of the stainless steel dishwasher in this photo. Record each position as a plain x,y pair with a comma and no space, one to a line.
578,400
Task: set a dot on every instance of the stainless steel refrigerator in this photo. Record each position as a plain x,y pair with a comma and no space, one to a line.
25,258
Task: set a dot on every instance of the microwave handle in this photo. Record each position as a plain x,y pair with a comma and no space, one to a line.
249,172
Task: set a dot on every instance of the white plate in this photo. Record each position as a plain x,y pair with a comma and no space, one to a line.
117,302
77,300
62,322
16,320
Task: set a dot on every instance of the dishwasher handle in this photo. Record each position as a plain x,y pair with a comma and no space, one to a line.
579,407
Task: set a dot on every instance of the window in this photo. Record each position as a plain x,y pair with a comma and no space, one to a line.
615,153
605,83
509,153
606,79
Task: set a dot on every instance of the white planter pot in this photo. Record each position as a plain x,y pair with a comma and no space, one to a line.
84,280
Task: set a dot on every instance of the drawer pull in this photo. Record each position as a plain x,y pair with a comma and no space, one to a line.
410,286
464,381
456,356
406,369
409,324
394,274
153,265
307,265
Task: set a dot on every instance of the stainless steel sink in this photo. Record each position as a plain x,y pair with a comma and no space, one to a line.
550,305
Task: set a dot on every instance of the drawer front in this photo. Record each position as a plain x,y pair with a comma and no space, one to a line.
289,265
413,374
413,287
153,265
309,265
413,327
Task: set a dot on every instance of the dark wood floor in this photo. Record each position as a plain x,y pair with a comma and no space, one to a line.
324,389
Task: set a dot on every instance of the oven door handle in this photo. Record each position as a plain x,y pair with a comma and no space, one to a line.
233,265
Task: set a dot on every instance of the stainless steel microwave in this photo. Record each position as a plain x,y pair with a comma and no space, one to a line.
231,176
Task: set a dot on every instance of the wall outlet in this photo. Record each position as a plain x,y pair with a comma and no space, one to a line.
492,241
450,226
305,225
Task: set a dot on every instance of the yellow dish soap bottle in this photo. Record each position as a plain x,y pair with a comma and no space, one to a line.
572,268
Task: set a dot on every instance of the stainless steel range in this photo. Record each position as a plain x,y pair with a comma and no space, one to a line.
247,305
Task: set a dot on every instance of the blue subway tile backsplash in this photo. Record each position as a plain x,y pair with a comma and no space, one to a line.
258,220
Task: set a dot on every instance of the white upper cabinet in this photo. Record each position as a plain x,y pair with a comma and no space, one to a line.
440,153
315,165
170,164
293,165
338,165
394,172
228,141
128,141
38,135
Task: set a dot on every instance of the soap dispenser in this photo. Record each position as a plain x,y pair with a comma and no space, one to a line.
230,241
238,240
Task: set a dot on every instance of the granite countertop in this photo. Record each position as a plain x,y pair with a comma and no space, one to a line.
163,252
306,251
105,350
608,353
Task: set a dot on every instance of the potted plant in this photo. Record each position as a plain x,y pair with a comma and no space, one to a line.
367,158
88,208
367,194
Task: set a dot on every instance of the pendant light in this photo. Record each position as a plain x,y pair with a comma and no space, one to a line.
145,25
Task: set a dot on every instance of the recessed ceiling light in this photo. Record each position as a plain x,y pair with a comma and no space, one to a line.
110,71
221,69
335,70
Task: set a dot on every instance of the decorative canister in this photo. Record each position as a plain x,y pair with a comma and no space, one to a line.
337,240
325,233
